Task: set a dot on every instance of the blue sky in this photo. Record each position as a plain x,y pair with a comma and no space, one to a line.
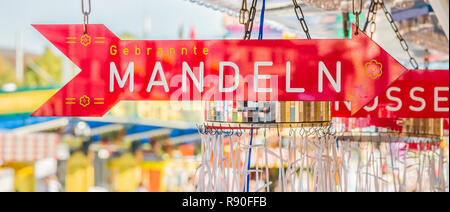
119,15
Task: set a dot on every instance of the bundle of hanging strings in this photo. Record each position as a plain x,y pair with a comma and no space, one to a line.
393,166
314,159
393,162
312,162
269,158
226,160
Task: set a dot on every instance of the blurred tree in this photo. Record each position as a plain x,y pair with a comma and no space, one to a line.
7,73
127,36
41,71
50,64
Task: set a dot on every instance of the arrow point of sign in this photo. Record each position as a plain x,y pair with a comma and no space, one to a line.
376,72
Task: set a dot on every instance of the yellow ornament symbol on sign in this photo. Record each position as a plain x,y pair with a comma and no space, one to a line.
86,40
85,101
373,69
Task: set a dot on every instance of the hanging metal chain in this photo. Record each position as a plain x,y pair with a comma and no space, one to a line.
244,13
373,24
301,18
369,15
371,18
86,10
426,60
345,23
403,42
251,18
356,13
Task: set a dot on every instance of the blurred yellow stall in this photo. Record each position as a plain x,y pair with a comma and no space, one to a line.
80,173
24,180
125,173
23,102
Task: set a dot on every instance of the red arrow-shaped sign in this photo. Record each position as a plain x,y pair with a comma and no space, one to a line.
113,70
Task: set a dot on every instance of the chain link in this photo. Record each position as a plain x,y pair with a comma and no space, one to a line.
86,10
403,42
373,18
345,23
301,18
244,13
369,15
356,13
426,60
251,18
